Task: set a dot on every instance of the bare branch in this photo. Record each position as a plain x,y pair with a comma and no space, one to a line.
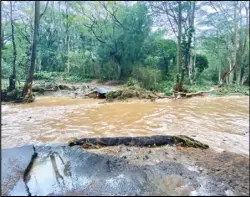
44,9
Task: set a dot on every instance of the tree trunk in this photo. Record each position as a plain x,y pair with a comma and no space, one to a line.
245,76
242,47
237,69
179,39
12,78
67,34
231,75
2,39
179,59
166,60
219,77
191,60
28,84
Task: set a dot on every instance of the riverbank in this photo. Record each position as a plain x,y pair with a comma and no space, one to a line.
113,90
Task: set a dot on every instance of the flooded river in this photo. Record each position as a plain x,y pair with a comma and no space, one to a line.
220,122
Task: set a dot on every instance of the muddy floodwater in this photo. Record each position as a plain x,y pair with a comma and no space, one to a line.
220,122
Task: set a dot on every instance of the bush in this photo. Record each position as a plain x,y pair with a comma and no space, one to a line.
201,63
44,76
147,77
233,89
166,87
60,76
197,88
75,78
6,70
132,84
110,71
206,78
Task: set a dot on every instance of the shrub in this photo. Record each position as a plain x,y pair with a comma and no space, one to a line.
147,77
43,76
132,84
166,87
110,71
233,89
56,76
201,63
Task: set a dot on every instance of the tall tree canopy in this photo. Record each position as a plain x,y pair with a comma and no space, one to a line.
111,39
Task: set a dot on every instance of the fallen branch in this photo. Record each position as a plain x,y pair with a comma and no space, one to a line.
188,95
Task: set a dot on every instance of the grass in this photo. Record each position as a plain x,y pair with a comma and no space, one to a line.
5,84
226,90
166,87
197,88
60,76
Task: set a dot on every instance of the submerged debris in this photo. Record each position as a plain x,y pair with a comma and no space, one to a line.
127,93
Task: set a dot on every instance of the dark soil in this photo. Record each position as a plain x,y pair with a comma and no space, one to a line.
228,168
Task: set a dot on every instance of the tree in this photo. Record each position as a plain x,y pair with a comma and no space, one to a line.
189,56
228,20
176,14
28,84
179,58
67,33
119,32
12,82
201,63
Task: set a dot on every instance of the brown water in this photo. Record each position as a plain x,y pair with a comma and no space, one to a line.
221,122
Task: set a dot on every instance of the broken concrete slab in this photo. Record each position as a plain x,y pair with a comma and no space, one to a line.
15,163
64,170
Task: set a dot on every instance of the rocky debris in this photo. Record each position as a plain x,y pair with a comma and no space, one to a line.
188,142
114,82
231,168
156,140
126,93
47,87
179,95
14,96
64,87
98,92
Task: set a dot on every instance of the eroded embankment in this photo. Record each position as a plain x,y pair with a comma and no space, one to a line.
125,170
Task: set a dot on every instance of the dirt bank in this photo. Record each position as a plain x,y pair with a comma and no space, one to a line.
230,169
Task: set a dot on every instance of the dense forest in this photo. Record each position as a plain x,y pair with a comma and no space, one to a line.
158,44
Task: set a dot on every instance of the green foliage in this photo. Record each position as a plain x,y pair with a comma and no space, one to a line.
201,63
45,76
159,52
166,87
207,77
132,83
197,88
6,70
224,90
59,76
115,42
14,94
147,76
110,71
75,78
